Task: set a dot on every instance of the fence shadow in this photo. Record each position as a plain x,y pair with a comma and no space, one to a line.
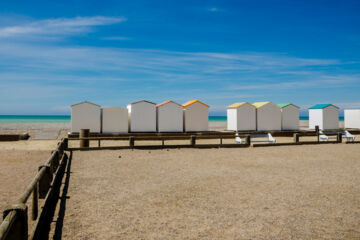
62,207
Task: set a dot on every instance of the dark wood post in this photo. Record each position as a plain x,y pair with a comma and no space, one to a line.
34,209
296,137
317,132
84,133
19,218
54,163
339,137
131,142
66,143
193,140
248,140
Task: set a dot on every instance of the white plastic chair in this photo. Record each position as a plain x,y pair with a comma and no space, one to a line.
349,137
237,139
271,138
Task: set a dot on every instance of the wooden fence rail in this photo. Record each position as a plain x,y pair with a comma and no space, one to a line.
84,141
15,216
193,140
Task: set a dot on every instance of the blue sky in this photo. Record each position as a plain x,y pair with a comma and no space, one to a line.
57,53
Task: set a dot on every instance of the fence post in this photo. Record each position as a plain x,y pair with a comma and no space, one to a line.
19,229
55,162
317,132
44,182
296,137
131,142
66,143
34,209
339,137
84,133
193,140
248,140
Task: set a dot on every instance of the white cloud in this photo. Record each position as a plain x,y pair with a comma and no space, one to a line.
58,26
213,9
118,38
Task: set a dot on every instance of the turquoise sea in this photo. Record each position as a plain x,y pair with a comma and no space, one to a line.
67,118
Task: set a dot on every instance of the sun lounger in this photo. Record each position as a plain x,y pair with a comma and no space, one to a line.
349,137
238,139
269,138
345,134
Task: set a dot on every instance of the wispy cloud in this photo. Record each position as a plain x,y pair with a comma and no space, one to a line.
320,81
58,26
118,38
213,9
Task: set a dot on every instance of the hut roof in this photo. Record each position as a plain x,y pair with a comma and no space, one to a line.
260,104
113,108
188,103
84,102
238,104
282,105
142,101
322,106
166,102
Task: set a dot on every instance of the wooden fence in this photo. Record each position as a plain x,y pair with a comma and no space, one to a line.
192,139
43,186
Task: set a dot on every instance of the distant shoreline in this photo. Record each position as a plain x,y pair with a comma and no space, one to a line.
67,118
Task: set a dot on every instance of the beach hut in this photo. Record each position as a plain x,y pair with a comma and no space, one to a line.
115,120
268,116
352,118
142,116
241,116
326,116
169,117
85,115
289,116
196,116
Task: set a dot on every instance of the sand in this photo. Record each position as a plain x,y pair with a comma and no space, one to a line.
297,192
18,167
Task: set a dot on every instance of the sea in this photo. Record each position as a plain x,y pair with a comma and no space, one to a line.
67,118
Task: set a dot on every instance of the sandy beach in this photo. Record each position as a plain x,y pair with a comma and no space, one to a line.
300,192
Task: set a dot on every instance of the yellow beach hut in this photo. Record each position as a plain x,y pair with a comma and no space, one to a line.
268,116
196,116
241,116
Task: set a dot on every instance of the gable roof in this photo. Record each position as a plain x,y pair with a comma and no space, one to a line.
238,104
114,108
260,104
85,102
142,101
282,105
322,106
166,102
188,103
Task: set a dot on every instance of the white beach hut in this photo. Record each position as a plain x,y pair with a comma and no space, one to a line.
142,116
196,116
268,116
326,116
115,120
241,117
352,118
289,116
169,117
85,115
